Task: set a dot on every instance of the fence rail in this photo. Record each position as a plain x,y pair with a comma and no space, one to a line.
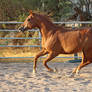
20,38
40,57
14,30
70,22
20,46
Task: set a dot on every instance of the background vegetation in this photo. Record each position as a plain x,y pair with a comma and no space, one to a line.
17,10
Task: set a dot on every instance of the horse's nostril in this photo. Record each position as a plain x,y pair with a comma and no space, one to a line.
21,29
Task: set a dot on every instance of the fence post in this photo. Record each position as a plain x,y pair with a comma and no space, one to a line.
75,55
40,41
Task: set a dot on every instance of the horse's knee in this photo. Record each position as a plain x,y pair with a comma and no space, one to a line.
35,59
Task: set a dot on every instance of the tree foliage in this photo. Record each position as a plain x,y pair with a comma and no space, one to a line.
15,8
58,9
83,9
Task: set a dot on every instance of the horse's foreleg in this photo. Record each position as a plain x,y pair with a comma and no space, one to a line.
50,57
41,53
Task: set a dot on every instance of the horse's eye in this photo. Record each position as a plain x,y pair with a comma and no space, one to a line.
28,20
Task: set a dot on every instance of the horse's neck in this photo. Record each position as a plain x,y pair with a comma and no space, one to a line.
46,29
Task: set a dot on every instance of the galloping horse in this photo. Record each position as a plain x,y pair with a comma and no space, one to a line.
59,40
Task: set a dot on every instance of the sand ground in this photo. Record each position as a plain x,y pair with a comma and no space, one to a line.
18,77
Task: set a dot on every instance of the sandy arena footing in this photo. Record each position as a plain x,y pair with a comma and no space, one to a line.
18,77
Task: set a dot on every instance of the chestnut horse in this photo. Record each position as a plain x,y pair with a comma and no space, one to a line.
59,40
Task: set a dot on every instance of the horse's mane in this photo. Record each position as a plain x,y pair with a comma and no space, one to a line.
48,18
44,15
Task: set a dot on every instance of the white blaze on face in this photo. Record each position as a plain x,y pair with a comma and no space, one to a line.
26,24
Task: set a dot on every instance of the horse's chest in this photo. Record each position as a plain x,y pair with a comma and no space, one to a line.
50,43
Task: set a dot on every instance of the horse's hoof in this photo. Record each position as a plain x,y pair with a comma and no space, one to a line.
55,70
77,72
51,70
72,75
34,71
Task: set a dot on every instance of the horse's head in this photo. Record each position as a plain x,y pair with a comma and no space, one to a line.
29,23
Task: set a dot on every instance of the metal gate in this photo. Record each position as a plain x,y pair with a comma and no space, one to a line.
13,30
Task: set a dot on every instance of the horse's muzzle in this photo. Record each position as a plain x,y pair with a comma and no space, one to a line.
22,29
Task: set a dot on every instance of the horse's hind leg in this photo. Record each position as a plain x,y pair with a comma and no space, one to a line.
81,66
50,57
85,61
41,53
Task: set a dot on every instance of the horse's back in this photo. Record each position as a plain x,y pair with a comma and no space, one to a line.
73,41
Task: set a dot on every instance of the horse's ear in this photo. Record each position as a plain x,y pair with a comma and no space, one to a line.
31,12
